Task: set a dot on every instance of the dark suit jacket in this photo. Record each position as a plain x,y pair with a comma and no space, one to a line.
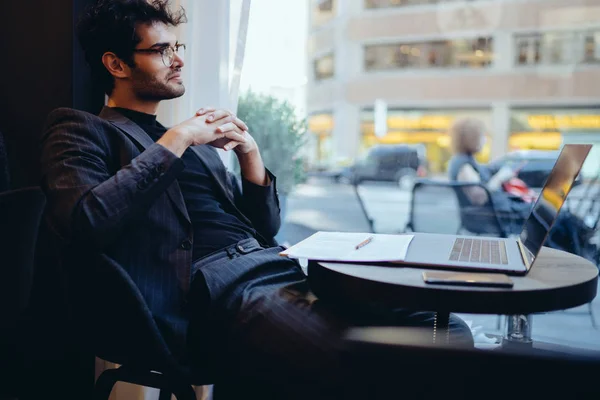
111,190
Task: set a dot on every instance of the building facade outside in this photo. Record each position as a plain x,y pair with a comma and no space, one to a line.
530,69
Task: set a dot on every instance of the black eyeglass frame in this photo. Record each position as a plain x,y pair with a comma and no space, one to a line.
163,51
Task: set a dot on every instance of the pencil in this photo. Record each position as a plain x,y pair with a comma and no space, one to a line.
364,242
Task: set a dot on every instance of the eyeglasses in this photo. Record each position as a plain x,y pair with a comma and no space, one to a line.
167,52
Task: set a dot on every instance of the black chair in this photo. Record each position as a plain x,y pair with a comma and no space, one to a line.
120,329
20,215
444,207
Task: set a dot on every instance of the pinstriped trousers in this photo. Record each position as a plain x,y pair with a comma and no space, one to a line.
255,320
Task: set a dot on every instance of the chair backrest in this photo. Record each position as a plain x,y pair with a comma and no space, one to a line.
434,208
114,316
444,207
478,219
20,216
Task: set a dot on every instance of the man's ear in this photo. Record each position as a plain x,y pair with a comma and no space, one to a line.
115,66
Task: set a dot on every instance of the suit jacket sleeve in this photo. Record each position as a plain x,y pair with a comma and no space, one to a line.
259,203
91,199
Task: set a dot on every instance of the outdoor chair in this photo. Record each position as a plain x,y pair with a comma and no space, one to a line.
443,207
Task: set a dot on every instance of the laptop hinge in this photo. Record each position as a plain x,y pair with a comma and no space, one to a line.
523,254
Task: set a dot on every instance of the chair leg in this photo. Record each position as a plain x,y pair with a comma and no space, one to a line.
104,384
591,310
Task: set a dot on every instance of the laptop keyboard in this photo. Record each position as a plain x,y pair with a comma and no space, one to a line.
487,251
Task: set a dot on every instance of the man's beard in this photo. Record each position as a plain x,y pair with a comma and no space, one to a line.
149,87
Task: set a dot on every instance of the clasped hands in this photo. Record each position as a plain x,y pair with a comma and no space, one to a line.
218,128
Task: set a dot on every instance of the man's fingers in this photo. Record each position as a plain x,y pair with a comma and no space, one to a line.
217,115
233,135
229,126
240,123
231,145
205,110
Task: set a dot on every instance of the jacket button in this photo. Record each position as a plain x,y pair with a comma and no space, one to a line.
240,247
186,244
142,185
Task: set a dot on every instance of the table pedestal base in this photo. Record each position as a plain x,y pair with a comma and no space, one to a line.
518,332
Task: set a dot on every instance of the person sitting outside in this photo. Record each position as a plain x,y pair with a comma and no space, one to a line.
468,138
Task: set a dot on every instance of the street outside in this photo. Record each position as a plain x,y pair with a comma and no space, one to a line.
321,204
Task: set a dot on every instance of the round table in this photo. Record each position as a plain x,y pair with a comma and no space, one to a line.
556,281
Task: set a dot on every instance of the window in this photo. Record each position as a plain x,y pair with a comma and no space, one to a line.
324,67
462,53
322,12
591,52
466,62
557,48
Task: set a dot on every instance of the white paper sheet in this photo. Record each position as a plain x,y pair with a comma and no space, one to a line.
341,246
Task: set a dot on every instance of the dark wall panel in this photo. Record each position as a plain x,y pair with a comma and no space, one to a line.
41,68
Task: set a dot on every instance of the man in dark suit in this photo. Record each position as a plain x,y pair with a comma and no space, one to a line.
199,245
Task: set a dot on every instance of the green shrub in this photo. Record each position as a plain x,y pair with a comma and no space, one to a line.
280,135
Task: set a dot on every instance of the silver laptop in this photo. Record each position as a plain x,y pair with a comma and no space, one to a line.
512,256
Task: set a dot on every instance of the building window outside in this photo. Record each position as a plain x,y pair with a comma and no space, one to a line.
461,53
324,67
591,53
557,48
322,12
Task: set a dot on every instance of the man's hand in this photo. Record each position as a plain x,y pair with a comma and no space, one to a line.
247,152
230,123
205,129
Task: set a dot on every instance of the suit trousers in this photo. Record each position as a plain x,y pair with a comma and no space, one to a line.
256,321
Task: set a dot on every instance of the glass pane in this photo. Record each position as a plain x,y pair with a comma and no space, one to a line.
522,75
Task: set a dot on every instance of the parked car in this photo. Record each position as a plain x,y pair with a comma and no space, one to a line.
396,163
537,165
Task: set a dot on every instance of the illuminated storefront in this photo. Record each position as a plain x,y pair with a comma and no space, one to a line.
427,127
321,127
548,129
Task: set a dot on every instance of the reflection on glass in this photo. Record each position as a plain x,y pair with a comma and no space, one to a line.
555,191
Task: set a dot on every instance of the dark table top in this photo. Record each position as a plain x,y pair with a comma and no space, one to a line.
557,280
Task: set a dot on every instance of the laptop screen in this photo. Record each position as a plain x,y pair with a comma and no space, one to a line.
551,198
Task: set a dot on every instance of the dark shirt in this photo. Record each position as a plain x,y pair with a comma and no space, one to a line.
215,225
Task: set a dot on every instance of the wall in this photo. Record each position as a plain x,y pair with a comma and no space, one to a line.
41,69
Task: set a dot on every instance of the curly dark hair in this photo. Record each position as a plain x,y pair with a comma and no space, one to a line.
110,26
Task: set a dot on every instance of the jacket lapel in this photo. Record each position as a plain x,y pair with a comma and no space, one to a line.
138,135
